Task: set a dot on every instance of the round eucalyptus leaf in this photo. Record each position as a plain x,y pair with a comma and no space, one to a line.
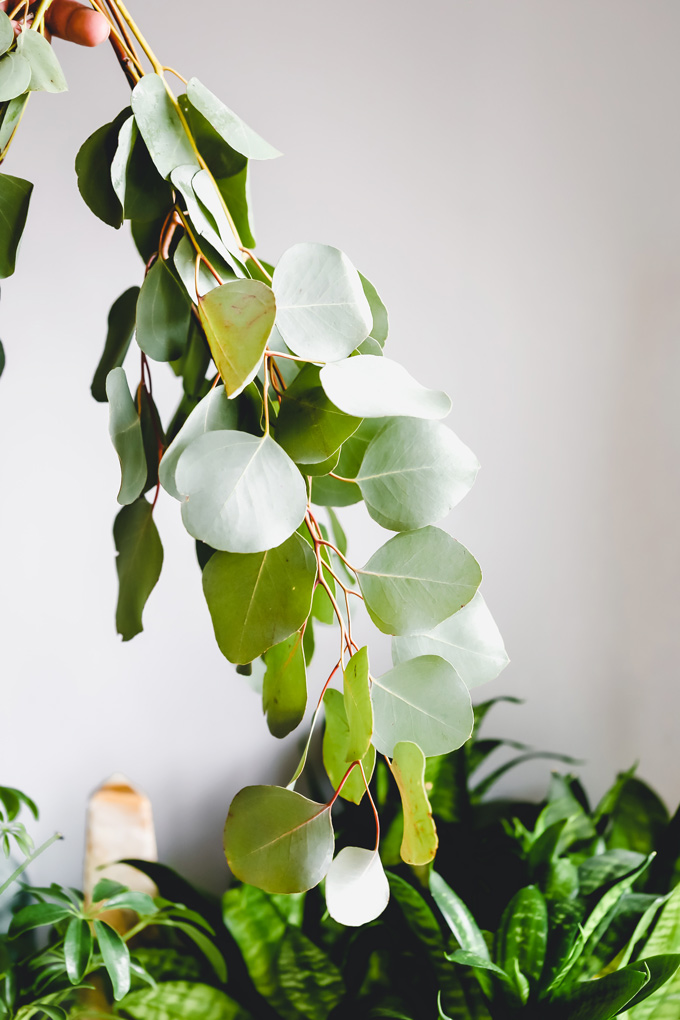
163,314
418,579
46,72
184,260
380,388
469,640
423,701
323,313
15,76
357,890
309,427
6,32
214,413
343,491
414,472
10,118
243,493
227,124
335,748
125,429
278,840
160,126
258,600
238,318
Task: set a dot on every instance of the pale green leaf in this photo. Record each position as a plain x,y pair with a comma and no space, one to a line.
665,938
209,199
238,318
244,494
420,841
358,706
182,1000
469,640
6,32
277,839
163,314
335,746
121,328
125,429
259,599
284,690
213,414
380,327
160,126
309,427
423,701
138,563
458,917
323,314
380,388
46,72
15,196
202,221
184,260
227,124
141,191
414,472
15,76
10,118
417,579
357,890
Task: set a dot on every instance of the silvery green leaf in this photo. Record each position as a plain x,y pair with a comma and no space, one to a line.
11,117
380,388
227,124
184,260
423,701
323,313
125,429
214,413
243,493
414,472
141,191
160,126
209,198
380,327
357,890
203,221
46,72
15,76
6,32
469,640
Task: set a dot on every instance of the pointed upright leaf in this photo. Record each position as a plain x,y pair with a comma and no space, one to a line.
188,1000
163,314
15,196
138,563
323,314
141,191
15,76
160,126
357,890
380,388
121,327
309,427
284,691
335,747
358,706
125,429
277,839
311,983
420,840
522,937
214,413
235,191
46,72
458,917
234,131
238,318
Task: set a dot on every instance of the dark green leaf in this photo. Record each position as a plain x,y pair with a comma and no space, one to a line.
163,314
258,929
116,958
522,937
380,327
77,949
458,917
309,427
208,948
603,998
35,916
139,562
183,1000
161,126
13,799
105,888
121,327
331,491
140,902
10,118
15,196
141,191
638,818
595,872
93,168
284,691
311,983
234,191
358,706
223,160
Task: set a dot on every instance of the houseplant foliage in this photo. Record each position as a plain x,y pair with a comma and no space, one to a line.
289,410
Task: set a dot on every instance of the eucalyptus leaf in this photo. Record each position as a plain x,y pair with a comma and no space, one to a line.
259,599
284,692
336,739
469,640
414,472
420,841
244,494
309,427
6,32
380,327
380,388
184,259
138,563
235,191
417,579
116,957
358,706
357,890
222,158
277,839
323,314
10,118
46,72
234,131
183,1000
15,76
141,191
163,314
238,318
15,196
213,414
125,429
121,328
160,126
343,491
423,701
210,199
93,168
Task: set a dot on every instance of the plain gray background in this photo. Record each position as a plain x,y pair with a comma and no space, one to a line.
507,174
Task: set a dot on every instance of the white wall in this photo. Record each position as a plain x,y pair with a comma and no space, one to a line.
508,175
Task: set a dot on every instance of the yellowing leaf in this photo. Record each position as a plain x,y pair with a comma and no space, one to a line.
420,842
238,318
358,706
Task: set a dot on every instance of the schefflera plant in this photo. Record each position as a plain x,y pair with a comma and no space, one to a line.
289,411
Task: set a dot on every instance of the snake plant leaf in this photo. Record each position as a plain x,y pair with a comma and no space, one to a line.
663,971
243,493
138,563
258,927
238,318
358,708
163,314
46,72
10,118
357,890
469,640
77,949
93,169
121,327
343,491
160,126
423,701
258,600
213,414
323,313
190,1000
15,196
414,472
605,997
417,579
420,841
116,957
125,429
309,427
284,691
277,839
311,983
522,936
6,32
458,917
141,191
380,388
664,939
15,76
335,746
232,129
380,327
